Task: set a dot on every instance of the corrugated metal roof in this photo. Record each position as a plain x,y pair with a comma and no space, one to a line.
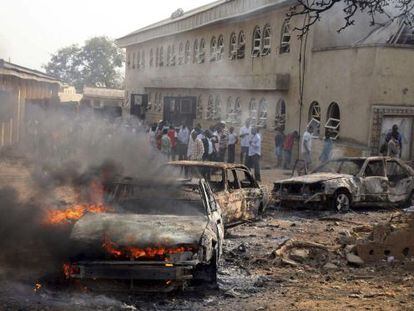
103,92
7,68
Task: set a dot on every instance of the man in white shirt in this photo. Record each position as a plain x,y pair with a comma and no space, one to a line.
306,147
244,141
183,137
255,152
232,145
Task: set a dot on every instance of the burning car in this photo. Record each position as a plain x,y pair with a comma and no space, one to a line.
159,232
238,193
344,182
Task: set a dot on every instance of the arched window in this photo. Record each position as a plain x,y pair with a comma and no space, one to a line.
285,38
187,52
138,59
253,111
180,54
151,58
172,59
157,57
162,56
262,122
220,47
257,42
168,55
199,113
201,51
280,115
333,122
133,60
210,108
213,47
195,51
128,60
237,110
143,59
217,108
241,45
267,40
233,46
230,110
314,118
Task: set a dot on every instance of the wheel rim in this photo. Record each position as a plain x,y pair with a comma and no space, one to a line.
342,202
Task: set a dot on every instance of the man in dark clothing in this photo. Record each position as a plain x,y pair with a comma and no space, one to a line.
396,135
279,138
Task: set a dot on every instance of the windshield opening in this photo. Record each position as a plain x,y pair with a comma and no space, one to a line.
342,166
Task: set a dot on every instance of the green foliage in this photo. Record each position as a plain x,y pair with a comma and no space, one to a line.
97,63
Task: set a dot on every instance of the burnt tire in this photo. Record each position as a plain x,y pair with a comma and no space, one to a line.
341,201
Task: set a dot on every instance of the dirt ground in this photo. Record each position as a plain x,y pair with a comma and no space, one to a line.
252,276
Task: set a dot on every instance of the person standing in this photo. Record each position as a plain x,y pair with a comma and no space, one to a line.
288,144
394,150
306,147
232,146
183,136
394,133
223,141
327,147
255,151
245,132
279,139
165,143
197,147
172,134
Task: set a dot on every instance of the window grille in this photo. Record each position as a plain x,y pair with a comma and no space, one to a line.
285,38
267,40
257,42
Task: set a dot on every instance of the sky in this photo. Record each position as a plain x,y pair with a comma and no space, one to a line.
31,30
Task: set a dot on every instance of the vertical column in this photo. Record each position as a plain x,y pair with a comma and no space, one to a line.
2,134
18,121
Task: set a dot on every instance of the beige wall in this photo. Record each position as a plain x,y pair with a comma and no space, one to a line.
355,78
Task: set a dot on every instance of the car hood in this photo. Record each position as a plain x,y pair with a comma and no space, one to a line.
313,178
139,230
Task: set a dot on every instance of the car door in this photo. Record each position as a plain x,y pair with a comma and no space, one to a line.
252,194
214,214
233,198
374,181
400,181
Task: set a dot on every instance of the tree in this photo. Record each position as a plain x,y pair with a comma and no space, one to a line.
375,9
97,63
66,64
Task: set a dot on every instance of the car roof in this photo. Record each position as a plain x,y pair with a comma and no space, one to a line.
220,165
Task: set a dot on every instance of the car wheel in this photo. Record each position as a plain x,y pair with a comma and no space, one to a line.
207,273
341,201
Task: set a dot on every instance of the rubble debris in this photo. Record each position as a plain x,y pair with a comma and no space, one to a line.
330,266
294,253
354,259
392,239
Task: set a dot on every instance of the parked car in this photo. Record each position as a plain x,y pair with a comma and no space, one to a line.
240,196
346,182
160,231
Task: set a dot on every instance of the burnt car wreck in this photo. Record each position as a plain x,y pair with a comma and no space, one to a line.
346,182
239,195
160,234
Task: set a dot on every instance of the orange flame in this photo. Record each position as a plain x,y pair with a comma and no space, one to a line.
131,252
75,212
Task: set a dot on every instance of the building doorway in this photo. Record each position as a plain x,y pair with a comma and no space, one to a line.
139,104
405,127
180,110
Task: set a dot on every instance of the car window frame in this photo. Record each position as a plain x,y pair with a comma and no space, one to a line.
364,167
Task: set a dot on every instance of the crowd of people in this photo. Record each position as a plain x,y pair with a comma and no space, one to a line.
217,143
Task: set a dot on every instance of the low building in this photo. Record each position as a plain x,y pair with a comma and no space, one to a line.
108,102
233,60
22,89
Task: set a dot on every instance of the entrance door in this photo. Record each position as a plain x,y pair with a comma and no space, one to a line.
179,110
139,104
405,126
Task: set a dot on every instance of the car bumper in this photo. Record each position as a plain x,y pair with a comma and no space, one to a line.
132,270
300,198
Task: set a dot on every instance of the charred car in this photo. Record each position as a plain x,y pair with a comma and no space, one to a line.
346,182
237,192
159,233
